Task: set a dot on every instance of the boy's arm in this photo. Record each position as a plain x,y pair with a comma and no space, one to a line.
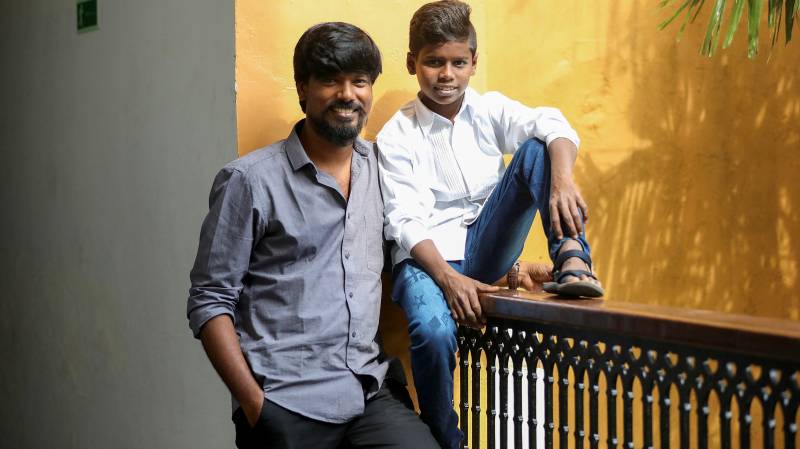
407,206
407,200
518,123
461,292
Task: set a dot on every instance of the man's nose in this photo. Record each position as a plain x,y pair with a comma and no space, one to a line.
347,92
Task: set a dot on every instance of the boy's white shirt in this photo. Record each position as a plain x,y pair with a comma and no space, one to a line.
436,175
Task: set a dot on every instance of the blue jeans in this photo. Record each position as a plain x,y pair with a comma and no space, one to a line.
494,243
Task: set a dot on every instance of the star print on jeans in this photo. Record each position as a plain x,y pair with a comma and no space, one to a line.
417,301
446,317
416,275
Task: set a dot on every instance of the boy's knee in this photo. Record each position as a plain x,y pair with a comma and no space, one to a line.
532,148
529,160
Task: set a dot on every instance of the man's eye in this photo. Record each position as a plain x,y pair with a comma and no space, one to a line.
361,82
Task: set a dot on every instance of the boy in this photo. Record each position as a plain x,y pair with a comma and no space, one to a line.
458,217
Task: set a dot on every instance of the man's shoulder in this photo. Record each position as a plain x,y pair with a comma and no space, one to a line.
258,161
366,148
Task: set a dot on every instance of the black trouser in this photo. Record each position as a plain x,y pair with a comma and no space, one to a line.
388,422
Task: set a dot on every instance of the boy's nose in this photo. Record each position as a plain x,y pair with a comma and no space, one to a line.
446,73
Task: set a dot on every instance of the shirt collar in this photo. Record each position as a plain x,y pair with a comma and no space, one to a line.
426,117
297,154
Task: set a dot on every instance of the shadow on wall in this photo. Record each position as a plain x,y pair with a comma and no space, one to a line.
384,108
705,215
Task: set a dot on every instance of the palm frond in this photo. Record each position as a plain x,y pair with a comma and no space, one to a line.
753,20
778,11
792,8
712,33
736,17
774,18
683,6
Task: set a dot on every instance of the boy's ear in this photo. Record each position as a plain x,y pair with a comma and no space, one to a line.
411,63
474,63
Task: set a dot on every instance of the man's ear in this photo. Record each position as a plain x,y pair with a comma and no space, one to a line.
411,63
474,63
301,90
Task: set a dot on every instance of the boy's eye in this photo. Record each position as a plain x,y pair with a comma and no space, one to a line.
460,63
434,62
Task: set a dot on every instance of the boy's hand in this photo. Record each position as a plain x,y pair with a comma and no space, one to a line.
461,293
566,202
566,207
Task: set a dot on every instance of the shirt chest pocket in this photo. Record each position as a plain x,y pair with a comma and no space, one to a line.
373,239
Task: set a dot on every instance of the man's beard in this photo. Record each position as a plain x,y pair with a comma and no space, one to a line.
339,133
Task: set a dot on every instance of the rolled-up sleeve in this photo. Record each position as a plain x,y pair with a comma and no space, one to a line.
407,204
223,254
520,123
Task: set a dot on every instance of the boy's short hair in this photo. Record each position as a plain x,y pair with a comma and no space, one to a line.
330,48
440,22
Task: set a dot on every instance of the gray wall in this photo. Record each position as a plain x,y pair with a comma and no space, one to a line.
108,144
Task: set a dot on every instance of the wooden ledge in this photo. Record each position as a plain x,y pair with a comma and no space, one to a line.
756,336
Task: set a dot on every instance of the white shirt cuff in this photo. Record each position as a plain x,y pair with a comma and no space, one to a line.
572,137
412,234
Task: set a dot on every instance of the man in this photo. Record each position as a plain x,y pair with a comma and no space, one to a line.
286,286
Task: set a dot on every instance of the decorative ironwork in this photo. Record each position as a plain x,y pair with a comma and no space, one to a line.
676,382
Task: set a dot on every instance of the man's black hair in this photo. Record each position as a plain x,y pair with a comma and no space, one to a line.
330,48
440,22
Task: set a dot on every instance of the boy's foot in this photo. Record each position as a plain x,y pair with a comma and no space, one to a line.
573,273
575,263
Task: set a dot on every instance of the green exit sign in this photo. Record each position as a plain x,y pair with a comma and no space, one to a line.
87,15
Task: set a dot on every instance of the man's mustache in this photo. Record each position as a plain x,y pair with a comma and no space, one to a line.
352,104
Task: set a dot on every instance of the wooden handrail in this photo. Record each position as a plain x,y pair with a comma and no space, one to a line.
756,336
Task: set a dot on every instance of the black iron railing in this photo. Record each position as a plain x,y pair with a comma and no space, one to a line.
593,373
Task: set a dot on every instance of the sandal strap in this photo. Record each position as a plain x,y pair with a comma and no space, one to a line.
559,276
580,254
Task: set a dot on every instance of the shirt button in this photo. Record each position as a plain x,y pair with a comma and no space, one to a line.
347,254
350,294
354,334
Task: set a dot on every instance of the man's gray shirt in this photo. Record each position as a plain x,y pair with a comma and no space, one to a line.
297,267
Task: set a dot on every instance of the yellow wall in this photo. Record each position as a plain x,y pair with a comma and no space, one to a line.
688,164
